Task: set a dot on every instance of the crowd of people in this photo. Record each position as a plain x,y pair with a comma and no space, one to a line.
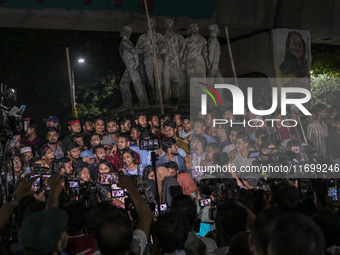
98,191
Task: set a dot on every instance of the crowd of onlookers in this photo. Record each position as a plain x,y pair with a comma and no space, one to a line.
101,193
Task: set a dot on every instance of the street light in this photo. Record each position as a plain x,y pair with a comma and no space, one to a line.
72,83
81,61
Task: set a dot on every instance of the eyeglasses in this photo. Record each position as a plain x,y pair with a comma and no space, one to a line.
79,142
95,140
16,162
54,135
28,156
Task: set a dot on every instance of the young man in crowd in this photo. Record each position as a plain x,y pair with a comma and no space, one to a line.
124,125
99,125
154,125
317,131
232,137
99,154
96,139
222,131
74,128
73,152
88,129
242,150
199,128
178,120
186,131
171,131
198,146
31,138
135,136
171,154
117,158
52,138
141,120
112,130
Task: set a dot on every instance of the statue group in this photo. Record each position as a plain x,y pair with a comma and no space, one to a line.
178,60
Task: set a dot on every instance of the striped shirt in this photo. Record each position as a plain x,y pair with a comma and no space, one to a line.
317,133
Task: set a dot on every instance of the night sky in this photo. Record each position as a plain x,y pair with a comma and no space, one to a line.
34,63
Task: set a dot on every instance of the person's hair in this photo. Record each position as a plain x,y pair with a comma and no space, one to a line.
215,147
286,196
44,149
139,114
296,234
108,120
230,219
185,207
125,136
33,124
319,108
100,117
137,127
237,129
200,121
152,115
107,163
77,135
202,140
171,164
170,123
171,231
147,170
185,116
77,216
260,132
163,116
167,143
239,244
95,148
64,160
34,160
131,152
245,138
123,120
80,169
96,134
52,129
71,145
263,228
113,231
176,113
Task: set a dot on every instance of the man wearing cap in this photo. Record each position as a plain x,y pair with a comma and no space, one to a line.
74,128
52,121
26,155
